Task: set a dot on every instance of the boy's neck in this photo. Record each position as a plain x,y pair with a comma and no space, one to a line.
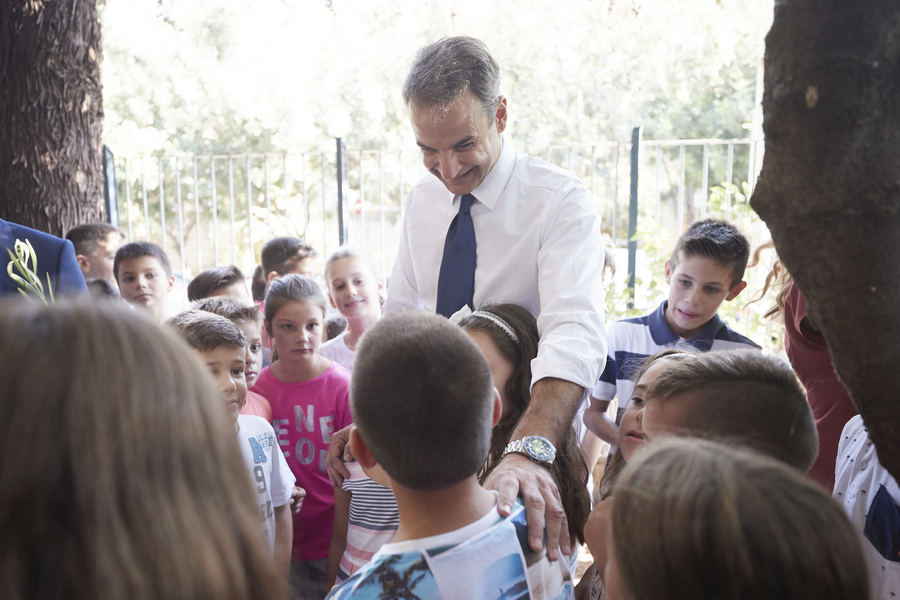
424,513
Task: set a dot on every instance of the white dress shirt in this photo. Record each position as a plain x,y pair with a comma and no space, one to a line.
538,245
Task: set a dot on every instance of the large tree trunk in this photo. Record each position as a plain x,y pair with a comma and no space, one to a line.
830,188
50,113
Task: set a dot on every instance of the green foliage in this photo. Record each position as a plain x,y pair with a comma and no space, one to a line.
23,269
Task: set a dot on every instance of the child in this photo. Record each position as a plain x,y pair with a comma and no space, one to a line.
705,269
507,335
144,276
221,346
95,249
218,281
424,405
247,319
309,398
741,396
353,289
140,492
284,255
870,496
631,439
701,520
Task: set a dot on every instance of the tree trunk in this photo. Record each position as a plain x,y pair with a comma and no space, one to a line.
829,189
50,113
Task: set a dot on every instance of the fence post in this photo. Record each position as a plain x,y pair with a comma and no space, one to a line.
341,173
633,212
110,191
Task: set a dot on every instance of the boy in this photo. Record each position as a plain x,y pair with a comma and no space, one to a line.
144,275
740,396
247,319
221,346
218,281
705,269
284,255
424,405
95,249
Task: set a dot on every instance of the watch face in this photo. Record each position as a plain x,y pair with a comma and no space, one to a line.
538,447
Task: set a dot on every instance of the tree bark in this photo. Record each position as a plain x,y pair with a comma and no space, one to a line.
829,189
50,113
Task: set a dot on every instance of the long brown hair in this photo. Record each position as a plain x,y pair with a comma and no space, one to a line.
121,475
569,469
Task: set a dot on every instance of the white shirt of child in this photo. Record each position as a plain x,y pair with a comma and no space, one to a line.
272,479
869,495
336,349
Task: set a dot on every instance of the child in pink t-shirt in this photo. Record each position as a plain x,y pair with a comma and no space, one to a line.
309,398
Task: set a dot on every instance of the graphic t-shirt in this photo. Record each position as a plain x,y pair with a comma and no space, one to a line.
304,415
273,481
488,559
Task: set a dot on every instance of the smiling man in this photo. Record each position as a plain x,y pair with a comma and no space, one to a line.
488,224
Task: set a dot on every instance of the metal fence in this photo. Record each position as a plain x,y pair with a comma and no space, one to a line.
208,210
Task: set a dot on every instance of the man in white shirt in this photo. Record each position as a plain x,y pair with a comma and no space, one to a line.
538,244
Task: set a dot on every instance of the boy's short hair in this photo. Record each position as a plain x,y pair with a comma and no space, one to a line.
86,237
335,326
139,249
718,240
421,396
258,284
282,254
745,396
756,528
229,308
211,280
205,331
102,289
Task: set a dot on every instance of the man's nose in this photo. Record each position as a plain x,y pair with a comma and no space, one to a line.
449,165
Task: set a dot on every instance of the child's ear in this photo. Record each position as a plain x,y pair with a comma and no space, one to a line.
735,290
498,408
331,301
668,271
360,450
83,262
272,276
171,283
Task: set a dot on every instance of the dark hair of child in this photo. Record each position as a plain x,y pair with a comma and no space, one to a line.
211,280
282,254
569,470
86,237
206,331
718,240
258,284
139,249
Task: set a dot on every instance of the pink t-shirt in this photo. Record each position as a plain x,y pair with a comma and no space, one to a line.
257,406
304,415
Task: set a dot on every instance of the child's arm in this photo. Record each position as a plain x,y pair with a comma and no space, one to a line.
339,536
598,423
284,535
596,530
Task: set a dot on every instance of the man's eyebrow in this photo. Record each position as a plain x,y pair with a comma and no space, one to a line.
466,140
423,146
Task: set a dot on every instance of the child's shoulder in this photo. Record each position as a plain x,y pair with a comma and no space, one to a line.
253,425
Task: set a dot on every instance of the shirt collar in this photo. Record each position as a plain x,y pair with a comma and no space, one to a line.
491,187
663,335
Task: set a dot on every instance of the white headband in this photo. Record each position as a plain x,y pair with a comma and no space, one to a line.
465,311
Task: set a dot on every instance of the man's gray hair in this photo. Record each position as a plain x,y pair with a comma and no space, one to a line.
448,68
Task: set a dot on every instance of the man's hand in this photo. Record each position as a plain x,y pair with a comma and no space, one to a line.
518,476
338,453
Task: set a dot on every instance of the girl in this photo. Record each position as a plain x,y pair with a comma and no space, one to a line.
631,439
365,513
508,337
140,492
354,290
697,519
309,398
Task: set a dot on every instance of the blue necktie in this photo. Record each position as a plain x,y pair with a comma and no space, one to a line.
456,281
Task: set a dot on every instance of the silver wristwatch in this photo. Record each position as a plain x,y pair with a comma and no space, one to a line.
536,447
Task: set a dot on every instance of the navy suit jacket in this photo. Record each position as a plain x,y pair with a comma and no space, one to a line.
55,256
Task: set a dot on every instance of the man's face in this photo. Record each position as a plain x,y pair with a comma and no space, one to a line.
461,145
99,263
